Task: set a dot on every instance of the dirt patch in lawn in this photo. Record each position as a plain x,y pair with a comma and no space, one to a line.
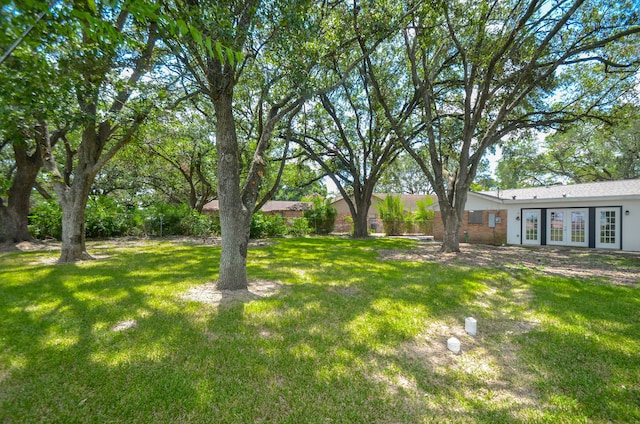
608,267
210,295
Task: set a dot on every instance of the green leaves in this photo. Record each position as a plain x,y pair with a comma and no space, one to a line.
196,35
181,27
214,48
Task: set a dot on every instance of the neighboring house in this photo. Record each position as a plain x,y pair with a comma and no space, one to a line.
374,221
287,209
603,215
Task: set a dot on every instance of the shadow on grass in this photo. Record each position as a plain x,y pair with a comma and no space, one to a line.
586,354
350,339
89,342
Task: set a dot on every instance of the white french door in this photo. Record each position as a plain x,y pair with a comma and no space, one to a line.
531,230
608,228
568,227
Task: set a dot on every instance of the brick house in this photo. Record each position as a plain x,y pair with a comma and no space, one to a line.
602,215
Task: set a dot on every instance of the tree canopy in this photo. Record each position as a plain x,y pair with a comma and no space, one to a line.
595,150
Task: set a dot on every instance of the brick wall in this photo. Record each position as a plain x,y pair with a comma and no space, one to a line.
478,233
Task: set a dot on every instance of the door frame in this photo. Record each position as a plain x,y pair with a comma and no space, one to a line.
617,227
539,223
569,226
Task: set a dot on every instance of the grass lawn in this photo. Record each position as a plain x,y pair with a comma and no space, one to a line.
346,338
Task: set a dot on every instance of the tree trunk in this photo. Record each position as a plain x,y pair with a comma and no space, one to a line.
15,215
13,225
451,224
360,221
5,222
73,201
452,212
359,208
235,218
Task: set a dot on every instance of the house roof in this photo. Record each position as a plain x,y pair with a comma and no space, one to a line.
284,205
597,190
270,206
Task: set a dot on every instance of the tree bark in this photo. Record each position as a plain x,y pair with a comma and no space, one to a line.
73,202
360,217
15,215
452,204
73,196
235,218
451,224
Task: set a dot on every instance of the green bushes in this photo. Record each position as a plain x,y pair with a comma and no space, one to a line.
392,213
299,227
45,220
104,217
396,221
321,216
274,225
423,216
267,225
164,219
107,218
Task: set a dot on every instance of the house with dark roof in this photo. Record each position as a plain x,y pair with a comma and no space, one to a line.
288,209
601,215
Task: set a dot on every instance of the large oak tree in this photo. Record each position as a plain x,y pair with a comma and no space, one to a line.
601,150
109,48
275,47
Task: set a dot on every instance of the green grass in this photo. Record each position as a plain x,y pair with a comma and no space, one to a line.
349,338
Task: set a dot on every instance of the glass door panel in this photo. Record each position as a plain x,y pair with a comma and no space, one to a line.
608,228
531,227
578,227
568,227
556,227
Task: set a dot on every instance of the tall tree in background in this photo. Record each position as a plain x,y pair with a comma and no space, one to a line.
348,137
403,176
489,69
184,142
109,47
215,58
347,132
601,150
298,180
32,99
171,160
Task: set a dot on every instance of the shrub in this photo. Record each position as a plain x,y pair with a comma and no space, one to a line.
299,227
392,213
321,216
164,219
104,217
197,224
45,220
257,228
271,225
349,220
274,225
423,216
